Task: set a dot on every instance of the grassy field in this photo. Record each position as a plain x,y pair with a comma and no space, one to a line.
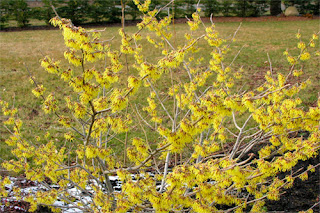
24,49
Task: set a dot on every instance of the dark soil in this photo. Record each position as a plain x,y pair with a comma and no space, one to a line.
303,194
21,206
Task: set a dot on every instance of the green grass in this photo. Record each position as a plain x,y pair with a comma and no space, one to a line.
32,22
24,49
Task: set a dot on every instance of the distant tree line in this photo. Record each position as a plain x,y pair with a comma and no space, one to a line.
102,11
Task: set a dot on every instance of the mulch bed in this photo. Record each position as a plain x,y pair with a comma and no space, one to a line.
303,194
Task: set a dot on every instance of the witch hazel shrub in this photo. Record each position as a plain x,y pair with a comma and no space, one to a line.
192,139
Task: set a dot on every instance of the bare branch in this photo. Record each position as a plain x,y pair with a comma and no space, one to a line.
135,168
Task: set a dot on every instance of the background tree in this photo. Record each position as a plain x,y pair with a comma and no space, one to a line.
132,10
98,10
305,6
19,10
275,7
45,12
226,7
211,7
189,7
4,13
157,4
177,8
105,10
250,8
75,10
114,10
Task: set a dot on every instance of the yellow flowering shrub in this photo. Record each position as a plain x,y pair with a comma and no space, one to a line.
201,122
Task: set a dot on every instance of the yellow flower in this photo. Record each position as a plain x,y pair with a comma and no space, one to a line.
69,136
305,56
297,73
301,45
38,91
298,35
91,152
312,44
291,60
304,176
315,37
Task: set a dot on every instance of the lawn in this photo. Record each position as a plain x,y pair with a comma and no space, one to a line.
22,50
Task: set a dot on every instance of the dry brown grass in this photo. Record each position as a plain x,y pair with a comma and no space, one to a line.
28,47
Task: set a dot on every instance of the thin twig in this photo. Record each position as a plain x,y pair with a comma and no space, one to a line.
161,103
237,144
270,63
135,168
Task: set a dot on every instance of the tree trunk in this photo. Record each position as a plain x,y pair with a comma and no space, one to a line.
275,7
